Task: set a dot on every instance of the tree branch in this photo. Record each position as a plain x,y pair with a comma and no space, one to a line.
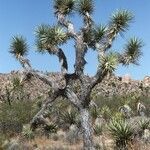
24,62
81,50
39,118
62,57
72,97
70,27
106,41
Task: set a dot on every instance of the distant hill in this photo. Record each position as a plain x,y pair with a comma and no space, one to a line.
109,87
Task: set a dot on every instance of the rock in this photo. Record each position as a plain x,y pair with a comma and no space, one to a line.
146,135
99,121
146,81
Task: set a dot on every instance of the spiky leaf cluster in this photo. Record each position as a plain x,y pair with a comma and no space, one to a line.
69,117
99,32
18,46
121,132
65,7
144,124
94,35
84,6
132,51
47,37
120,20
109,62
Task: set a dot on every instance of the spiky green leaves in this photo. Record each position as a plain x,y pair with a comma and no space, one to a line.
132,51
47,37
94,35
65,7
84,6
18,46
109,62
120,20
99,32
121,132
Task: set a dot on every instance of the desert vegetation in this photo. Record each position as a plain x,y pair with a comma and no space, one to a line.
73,113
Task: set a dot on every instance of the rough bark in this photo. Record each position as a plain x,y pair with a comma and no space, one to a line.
87,129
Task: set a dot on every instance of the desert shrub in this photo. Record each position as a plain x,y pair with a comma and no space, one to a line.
73,135
121,132
114,102
50,128
106,112
95,112
144,124
69,117
12,117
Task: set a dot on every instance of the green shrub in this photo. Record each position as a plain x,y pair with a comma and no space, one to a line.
106,112
95,112
13,117
144,124
50,128
121,132
69,117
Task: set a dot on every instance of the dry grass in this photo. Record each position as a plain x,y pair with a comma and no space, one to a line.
43,143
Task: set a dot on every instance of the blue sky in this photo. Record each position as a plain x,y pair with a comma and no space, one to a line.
23,16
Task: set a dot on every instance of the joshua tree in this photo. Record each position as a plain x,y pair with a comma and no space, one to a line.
90,36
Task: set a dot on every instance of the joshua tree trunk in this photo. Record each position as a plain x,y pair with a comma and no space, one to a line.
87,129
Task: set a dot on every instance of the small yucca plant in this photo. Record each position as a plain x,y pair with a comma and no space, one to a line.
144,124
105,112
121,132
50,128
16,82
18,46
69,117
84,6
94,113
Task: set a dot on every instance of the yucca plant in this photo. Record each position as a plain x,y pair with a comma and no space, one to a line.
144,124
121,132
18,46
95,112
120,20
132,51
69,117
64,7
50,128
99,32
47,37
105,112
16,82
84,6
109,62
